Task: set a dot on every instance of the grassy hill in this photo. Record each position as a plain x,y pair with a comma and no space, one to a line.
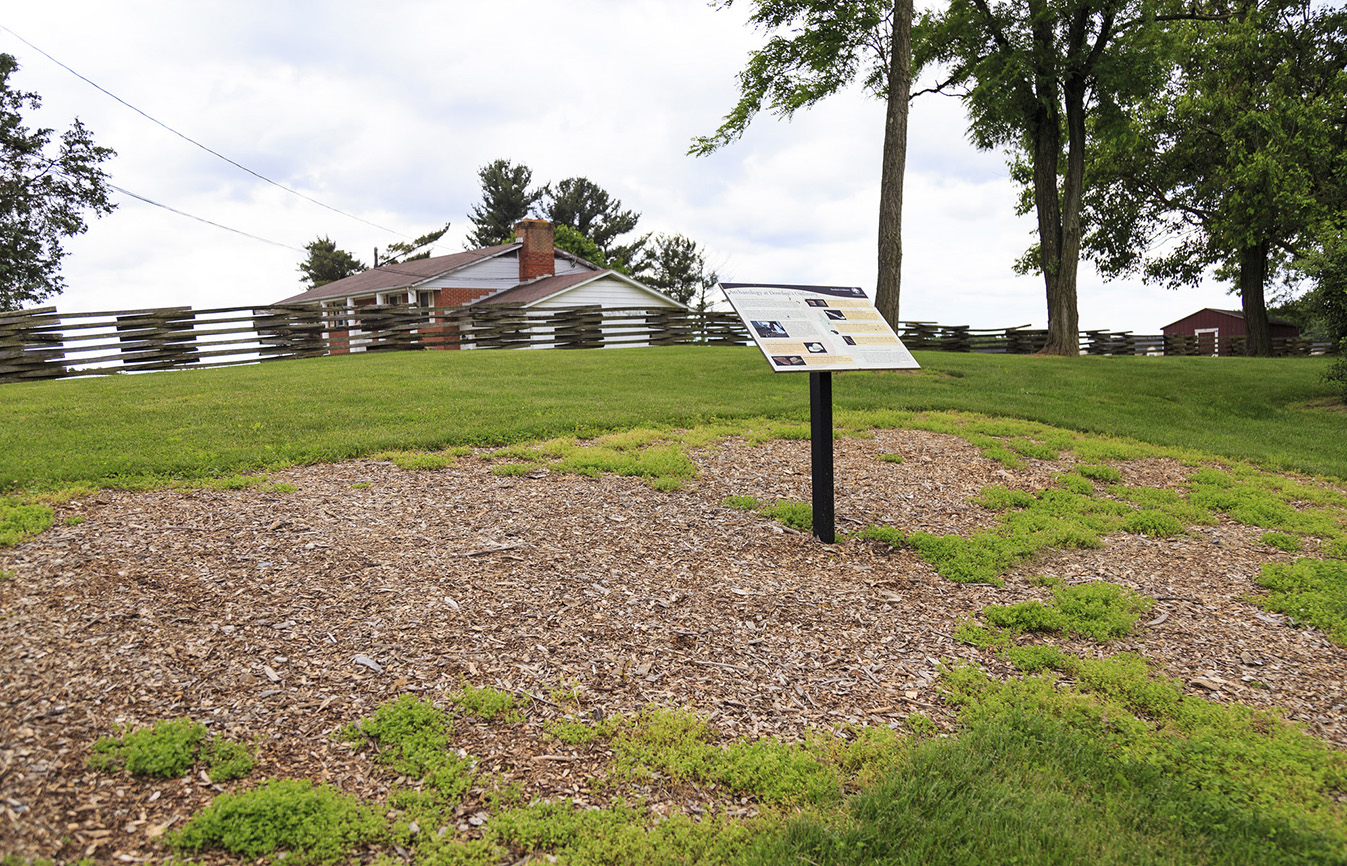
139,430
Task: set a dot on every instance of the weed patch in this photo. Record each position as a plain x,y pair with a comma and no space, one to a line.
1255,500
1098,610
313,824
1311,590
886,534
574,732
677,746
1099,473
169,749
1282,541
21,521
618,833
487,703
411,736
796,515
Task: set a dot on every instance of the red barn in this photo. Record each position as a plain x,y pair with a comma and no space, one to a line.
1215,330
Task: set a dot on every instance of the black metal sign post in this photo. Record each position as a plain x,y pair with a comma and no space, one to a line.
831,327
821,452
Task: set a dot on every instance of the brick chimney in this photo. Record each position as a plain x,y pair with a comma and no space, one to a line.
537,258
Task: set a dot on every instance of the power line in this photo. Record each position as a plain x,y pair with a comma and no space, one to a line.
200,145
393,268
202,219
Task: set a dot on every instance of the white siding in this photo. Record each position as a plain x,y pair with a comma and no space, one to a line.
611,292
501,272
608,291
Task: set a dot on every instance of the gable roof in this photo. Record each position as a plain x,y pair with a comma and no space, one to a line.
1238,314
398,276
537,290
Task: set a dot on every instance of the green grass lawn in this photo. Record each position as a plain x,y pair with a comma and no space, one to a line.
146,429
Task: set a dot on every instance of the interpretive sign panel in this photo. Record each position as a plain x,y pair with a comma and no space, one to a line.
818,328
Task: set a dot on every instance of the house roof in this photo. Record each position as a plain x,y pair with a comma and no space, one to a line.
537,290
1238,314
398,276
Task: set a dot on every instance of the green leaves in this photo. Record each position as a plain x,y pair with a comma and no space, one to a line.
45,193
817,47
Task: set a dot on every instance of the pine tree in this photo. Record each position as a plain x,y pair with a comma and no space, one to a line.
327,264
506,199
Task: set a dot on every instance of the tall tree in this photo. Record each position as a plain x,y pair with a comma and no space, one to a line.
1044,78
410,251
506,199
44,196
676,265
818,47
570,240
1236,162
589,209
327,264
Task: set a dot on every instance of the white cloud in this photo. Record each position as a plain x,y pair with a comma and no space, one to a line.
387,112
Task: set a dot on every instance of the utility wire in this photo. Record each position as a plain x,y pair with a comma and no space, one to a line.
199,144
393,268
202,219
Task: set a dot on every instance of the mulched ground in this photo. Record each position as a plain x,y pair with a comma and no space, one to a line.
281,616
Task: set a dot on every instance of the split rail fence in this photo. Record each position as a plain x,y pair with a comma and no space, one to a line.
45,344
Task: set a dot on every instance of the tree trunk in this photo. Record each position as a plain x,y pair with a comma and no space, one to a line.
1252,278
1047,146
1045,129
894,161
1063,313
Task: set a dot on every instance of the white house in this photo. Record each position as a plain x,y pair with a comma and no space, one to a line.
529,274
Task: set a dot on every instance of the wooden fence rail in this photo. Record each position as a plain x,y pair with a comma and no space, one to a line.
45,344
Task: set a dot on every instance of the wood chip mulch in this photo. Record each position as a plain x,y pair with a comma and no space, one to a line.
278,617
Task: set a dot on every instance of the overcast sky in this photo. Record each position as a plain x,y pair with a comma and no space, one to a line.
387,112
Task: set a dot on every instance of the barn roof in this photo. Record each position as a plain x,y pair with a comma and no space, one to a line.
1238,314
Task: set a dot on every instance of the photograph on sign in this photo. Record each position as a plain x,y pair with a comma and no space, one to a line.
817,328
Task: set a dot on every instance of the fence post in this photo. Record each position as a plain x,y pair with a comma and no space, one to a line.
31,345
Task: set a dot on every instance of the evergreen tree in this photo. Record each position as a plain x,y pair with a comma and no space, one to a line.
589,209
676,265
506,199
327,264
407,251
44,196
